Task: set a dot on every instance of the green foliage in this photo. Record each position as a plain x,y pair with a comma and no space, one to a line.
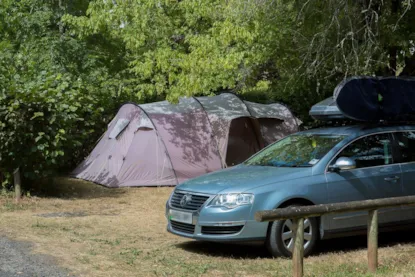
287,50
344,38
55,92
43,118
177,48
335,39
66,66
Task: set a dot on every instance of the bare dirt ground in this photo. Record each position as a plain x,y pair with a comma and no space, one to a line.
93,231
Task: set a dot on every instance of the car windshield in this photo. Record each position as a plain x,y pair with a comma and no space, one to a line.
302,150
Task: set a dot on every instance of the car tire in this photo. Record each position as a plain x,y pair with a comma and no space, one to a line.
280,247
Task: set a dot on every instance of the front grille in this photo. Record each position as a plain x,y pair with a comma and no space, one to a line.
182,227
221,230
194,204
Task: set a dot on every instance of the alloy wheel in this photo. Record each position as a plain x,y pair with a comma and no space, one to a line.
287,234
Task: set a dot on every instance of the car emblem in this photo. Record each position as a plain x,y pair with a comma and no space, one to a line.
185,200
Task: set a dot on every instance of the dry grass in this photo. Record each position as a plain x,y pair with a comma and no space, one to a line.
122,232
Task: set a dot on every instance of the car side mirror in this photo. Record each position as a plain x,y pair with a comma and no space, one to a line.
343,163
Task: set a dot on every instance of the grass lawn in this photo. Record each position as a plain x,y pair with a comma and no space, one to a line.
94,231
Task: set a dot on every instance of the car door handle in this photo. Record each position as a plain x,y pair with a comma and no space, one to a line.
392,179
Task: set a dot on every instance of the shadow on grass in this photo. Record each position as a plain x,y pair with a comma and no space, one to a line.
226,250
387,239
254,251
64,187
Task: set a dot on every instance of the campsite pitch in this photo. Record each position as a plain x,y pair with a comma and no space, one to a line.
94,231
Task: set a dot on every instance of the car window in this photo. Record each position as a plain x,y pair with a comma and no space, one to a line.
369,151
405,146
302,150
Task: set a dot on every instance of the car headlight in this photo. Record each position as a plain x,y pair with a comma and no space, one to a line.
232,200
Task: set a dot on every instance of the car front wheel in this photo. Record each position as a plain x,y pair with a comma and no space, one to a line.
280,240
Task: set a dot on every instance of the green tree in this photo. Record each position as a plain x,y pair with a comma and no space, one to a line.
289,50
56,92
356,37
177,48
65,66
335,39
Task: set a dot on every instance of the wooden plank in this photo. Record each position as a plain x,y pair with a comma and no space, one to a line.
17,184
319,210
372,240
298,252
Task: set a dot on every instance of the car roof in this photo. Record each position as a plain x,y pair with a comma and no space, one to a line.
359,130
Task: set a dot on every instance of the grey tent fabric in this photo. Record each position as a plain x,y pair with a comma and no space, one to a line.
160,143
120,126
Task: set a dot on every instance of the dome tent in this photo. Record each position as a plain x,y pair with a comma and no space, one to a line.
159,143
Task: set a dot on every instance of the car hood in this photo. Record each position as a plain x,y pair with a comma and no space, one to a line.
242,178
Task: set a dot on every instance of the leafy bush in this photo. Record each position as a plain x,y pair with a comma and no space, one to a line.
55,94
45,123
66,66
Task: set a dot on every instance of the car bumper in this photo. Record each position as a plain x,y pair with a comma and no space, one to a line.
215,225
248,233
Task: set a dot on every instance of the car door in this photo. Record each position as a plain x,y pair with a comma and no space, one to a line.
375,176
405,148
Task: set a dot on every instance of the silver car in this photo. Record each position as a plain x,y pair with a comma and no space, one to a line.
319,166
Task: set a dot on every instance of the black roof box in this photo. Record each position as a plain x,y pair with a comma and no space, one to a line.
369,99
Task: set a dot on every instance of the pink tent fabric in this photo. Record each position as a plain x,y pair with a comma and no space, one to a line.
161,144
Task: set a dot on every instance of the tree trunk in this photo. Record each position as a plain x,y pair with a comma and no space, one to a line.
17,184
393,51
396,5
409,69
